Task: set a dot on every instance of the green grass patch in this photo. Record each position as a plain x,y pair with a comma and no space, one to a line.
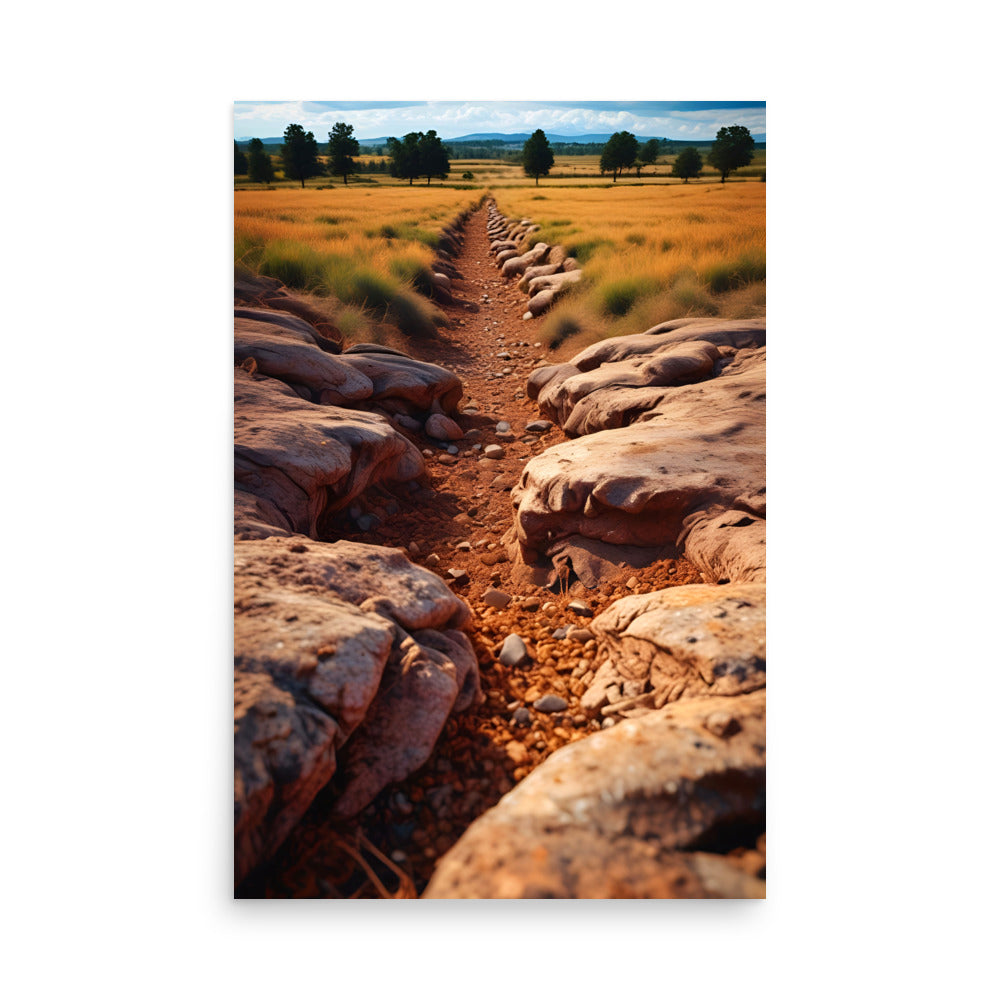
293,264
413,271
406,231
617,297
744,270
583,250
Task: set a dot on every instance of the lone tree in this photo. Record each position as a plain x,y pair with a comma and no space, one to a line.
239,160
259,166
537,156
404,157
687,164
619,153
343,146
433,156
648,153
299,155
732,149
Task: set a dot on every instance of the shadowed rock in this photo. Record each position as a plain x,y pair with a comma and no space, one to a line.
668,456
348,658
283,348
610,815
299,461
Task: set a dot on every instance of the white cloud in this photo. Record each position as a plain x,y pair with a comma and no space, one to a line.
453,118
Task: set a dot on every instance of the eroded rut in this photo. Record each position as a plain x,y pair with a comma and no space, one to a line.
454,520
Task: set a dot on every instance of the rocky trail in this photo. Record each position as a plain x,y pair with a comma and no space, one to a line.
456,521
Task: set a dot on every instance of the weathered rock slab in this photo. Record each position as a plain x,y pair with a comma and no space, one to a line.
690,641
656,807
299,460
348,658
668,456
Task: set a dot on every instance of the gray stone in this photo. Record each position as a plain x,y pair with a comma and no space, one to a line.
443,428
513,653
493,451
521,717
496,599
550,703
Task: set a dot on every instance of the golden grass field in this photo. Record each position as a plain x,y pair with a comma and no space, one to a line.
651,249
650,253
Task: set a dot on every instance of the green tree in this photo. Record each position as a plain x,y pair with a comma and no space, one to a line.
260,169
239,160
537,156
648,153
619,153
433,156
733,148
300,154
688,163
343,146
404,156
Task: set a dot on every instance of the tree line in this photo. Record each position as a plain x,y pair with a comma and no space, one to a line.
423,154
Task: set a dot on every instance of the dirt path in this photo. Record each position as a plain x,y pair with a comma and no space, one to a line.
455,520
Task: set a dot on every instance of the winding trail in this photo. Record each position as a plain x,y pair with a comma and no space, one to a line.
455,520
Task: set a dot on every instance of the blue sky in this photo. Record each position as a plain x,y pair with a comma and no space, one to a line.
674,119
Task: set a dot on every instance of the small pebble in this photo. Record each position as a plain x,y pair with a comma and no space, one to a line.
493,451
522,717
580,608
503,427
531,603
538,426
580,634
496,599
513,652
550,703
433,559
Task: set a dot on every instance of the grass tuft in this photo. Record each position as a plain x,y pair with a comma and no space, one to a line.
729,274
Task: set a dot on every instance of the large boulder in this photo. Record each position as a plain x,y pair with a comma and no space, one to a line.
419,385
667,806
668,456
297,461
348,659
282,346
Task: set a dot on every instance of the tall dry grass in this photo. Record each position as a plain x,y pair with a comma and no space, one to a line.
370,250
651,253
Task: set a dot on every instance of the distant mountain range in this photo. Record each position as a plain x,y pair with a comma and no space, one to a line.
514,138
